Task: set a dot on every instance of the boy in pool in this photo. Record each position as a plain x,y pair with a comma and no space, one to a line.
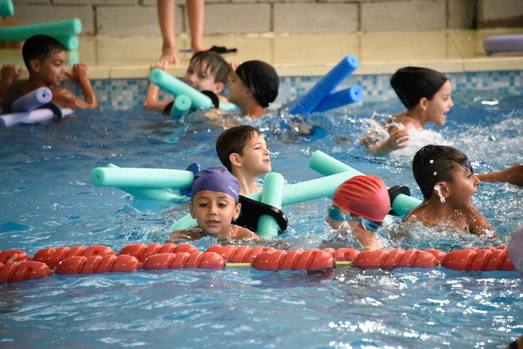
253,86
446,179
360,205
44,58
243,151
426,94
215,204
207,71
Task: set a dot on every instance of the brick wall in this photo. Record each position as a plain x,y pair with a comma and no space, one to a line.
138,17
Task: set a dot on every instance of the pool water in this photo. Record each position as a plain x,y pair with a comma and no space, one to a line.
47,200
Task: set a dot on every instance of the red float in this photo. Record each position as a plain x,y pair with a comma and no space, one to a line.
13,255
206,260
142,251
52,256
310,260
474,259
25,270
98,264
239,254
396,258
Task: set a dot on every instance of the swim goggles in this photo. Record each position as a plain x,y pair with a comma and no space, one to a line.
336,214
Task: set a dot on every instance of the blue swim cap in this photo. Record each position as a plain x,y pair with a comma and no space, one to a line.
217,179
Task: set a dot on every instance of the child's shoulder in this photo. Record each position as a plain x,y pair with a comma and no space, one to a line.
239,232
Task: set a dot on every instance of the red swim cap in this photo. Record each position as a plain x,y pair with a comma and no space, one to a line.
366,196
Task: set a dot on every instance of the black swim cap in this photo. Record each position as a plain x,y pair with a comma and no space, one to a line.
413,83
261,79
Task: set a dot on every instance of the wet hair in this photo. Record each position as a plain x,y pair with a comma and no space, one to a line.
234,140
213,64
435,163
40,47
261,79
413,83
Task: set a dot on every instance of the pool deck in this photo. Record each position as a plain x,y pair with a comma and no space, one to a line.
305,54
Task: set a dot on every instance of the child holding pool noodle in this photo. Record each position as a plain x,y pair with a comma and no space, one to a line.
207,71
243,151
447,181
45,58
215,205
426,94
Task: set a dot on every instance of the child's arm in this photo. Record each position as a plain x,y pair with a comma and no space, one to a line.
152,101
398,138
9,73
478,224
187,234
512,175
66,98
239,233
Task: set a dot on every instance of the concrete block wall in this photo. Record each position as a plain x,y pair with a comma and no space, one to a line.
138,17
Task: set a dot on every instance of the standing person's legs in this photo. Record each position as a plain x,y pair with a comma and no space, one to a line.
196,16
166,18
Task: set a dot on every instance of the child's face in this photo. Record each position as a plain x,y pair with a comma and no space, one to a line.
255,157
201,78
50,71
440,104
462,186
214,212
238,92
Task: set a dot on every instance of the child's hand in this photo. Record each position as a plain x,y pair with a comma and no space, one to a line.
9,73
78,72
160,64
398,138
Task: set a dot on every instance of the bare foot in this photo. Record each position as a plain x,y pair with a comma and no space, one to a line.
169,56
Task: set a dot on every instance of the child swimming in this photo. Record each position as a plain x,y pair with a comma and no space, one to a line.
45,58
426,94
253,86
447,181
360,205
243,151
207,71
215,204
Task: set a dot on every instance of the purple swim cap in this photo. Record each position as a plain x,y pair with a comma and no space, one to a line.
217,179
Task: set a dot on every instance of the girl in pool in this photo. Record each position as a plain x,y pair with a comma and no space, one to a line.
426,94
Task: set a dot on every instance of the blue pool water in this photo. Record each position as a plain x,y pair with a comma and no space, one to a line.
47,200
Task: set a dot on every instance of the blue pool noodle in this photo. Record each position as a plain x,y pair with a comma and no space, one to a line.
32,100
176,87
328,165
181,106
6,8
271,195
144,178
338,99
307,103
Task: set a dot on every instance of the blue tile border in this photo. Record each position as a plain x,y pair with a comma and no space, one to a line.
122,94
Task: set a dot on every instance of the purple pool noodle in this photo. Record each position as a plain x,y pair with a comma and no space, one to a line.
32,100
503,43
515,249
338,99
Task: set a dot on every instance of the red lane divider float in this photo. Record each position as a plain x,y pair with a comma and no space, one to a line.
52,256
474,259
16,265
142,251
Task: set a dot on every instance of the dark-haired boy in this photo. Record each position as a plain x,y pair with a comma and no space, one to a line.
446,179
243,151
45,58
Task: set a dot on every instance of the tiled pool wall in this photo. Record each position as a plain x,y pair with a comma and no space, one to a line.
123,94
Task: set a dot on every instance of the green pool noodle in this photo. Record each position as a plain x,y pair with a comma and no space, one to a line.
327,165
292,194
6,8
67,27
142,178
181,106
271,195
153,194
70,42
177,87
73,57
